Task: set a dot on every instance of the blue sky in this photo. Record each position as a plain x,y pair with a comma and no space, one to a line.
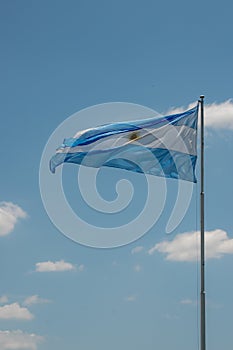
57,58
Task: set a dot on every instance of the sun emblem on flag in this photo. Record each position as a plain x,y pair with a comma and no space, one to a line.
134,136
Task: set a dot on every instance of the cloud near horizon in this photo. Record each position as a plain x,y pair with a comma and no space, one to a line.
3,299
137,268
57,266
18,340
137,249
15,311
10,214
35,299
186,246
217,115
131,298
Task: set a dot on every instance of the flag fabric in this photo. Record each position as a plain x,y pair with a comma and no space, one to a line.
164,146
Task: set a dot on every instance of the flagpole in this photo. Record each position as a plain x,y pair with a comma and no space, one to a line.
202,209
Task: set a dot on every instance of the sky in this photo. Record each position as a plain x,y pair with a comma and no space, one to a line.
57,58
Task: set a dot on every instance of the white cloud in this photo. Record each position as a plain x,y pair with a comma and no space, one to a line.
136,250
217,115
15,311
137,268
18,340
131,298
57,266
9,215
3,299
186,246
35,299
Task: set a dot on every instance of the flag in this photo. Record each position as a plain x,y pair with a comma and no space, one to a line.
164,146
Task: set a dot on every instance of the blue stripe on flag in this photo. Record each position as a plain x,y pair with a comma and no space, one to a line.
170,164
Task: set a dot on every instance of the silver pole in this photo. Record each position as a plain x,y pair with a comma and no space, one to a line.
202,208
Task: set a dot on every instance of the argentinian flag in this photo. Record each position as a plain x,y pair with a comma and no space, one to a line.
164,146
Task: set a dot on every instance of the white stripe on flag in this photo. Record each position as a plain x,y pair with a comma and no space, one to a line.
174,138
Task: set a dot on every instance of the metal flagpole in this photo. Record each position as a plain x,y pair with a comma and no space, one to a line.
202,208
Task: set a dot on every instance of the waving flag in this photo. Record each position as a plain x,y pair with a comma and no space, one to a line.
164,146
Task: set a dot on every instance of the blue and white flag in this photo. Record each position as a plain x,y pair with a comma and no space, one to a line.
164,146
